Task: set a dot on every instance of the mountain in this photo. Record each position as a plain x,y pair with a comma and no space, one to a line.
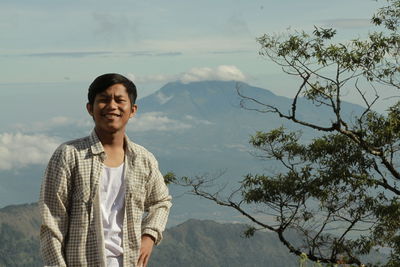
194,129
213,129
216,138
199,243
19,232
192,243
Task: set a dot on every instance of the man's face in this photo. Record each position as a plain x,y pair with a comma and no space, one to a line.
112,109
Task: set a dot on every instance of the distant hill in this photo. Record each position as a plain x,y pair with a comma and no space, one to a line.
190,244
19,232
194,243
199,243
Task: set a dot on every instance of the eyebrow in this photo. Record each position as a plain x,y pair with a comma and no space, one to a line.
108,96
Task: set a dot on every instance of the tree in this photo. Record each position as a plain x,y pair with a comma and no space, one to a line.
341,190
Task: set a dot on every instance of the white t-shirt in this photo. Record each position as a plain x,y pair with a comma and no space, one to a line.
112,200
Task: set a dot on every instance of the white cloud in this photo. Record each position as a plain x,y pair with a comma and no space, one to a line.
239,147
60,120
197,120
220,73
18,150
156,121
53,123
162,99
155,78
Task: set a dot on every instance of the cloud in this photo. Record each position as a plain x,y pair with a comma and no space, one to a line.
221,73
77,54
197,120
54,123
156,121
230,52
347,23
152,53
169,54
19,150
82,54
153,78
162,99
239,147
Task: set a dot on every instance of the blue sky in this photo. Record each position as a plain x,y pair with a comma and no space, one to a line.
51,50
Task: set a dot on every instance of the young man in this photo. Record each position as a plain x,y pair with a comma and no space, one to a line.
103,200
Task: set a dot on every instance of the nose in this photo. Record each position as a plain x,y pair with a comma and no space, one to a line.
112,104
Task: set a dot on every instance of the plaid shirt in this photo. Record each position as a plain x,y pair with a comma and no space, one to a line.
71,233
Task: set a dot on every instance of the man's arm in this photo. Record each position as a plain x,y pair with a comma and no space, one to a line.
54,210
157,204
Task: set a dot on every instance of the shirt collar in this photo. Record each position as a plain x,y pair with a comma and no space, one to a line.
95,144
128,147
97,147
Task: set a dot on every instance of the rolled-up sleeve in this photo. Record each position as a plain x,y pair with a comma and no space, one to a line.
157,203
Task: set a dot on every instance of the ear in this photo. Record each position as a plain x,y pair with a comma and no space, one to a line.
89,109
133,110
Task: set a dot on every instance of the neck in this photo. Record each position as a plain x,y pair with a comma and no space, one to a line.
111,140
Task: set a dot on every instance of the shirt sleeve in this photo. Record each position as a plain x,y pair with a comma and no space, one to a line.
157,203
53,205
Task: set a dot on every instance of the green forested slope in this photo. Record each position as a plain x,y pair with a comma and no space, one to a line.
19,228
193,243
208,243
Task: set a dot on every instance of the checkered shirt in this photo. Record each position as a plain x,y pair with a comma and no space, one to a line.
71,232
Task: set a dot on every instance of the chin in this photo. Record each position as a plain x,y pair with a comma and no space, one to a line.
110,130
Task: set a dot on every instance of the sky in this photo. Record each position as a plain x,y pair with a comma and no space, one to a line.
51,50
155,41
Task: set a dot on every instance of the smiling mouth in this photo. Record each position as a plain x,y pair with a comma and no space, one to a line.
111,115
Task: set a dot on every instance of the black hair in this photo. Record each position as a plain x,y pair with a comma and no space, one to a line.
101,83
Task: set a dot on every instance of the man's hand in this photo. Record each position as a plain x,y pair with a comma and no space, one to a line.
145,250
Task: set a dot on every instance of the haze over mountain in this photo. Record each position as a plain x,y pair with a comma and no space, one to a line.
196,128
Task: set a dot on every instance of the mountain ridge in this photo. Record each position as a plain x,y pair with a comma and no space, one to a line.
194,243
